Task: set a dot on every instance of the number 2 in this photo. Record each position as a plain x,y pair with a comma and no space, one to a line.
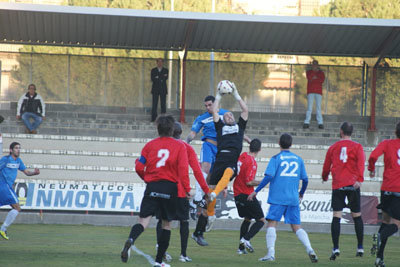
398,155
343,154
239,164
163,154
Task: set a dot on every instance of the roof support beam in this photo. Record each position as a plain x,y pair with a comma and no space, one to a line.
380,52
182,61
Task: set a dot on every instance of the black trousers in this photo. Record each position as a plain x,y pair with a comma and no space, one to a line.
163,99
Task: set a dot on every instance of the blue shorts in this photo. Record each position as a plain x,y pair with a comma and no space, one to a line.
7,195
208,153
291,213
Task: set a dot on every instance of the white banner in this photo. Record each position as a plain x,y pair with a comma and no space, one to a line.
120,197
87,196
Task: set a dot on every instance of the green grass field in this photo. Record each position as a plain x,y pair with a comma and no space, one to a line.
85,245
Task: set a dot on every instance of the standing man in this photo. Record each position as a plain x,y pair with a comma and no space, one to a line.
182,210
229,146
315,79
390,190
284,172
8,173
159,77
31,106
209,147
345,160
162,165
242,188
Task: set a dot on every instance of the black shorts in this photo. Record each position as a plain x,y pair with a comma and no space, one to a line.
353,198
159,197
182,210
248,209
390,203
219,168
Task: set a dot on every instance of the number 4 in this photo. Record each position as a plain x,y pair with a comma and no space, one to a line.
343,154
163,154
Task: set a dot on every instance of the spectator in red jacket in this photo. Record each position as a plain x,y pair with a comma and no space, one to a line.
316,78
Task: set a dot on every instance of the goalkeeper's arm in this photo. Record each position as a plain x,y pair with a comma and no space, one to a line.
243,106
216,106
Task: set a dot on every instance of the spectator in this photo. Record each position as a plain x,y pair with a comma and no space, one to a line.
31,106
316,78
159,77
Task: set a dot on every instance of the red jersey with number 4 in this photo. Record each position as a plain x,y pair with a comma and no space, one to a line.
164,158
391,173
198,174
345,159
247,169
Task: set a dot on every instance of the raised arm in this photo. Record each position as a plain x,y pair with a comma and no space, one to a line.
216,107
242,104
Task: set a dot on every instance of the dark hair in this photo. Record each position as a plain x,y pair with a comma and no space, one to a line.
285,141
165,125
255,145
34,86
177,130
209,98
13,144
398,129
347,128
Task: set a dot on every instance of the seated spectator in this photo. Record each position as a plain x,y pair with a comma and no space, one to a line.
31,106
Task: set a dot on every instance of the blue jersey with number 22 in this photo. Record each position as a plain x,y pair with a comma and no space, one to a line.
286,170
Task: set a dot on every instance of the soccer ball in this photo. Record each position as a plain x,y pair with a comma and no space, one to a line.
225,87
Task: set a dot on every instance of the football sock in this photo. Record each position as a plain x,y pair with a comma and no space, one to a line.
184,231
389,230
244,228
335,232
254,230
211,208
383,225
159,230
225,179
359,228
12,214
201,225
136,230
163,244
271,238
303,237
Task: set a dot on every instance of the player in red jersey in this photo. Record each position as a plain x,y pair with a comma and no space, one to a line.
182,211
162,165
390,190
345,159
242,188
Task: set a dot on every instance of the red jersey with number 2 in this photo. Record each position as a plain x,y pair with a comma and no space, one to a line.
391,173
164,158
247,169
345,159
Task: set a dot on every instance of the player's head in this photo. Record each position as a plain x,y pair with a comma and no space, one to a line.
255,145
398,129
165,125
208,103
229,118
346,129
177,130
285,141
15,148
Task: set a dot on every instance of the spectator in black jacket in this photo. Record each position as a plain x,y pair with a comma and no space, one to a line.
159,77
31,106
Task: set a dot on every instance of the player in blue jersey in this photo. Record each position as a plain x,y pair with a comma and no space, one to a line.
9,165
284,172
209,148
